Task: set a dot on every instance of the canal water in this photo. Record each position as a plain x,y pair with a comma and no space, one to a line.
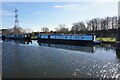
31,59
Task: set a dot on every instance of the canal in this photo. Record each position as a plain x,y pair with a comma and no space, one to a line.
22,59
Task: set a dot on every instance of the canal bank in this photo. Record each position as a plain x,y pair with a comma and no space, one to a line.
118,39
118,31
21,61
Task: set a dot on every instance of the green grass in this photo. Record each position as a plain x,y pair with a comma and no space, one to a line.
35,37
106,39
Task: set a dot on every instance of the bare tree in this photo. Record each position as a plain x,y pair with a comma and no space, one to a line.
102,23
45,29
61,28
16,30
116,22
77,27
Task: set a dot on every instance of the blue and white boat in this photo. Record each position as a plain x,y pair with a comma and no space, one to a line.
17,36
86,39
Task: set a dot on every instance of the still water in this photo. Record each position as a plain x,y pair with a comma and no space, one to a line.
22,59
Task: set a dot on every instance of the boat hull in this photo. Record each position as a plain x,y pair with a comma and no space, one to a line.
19,38
66,42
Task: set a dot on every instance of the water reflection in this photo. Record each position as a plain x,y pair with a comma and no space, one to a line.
42,62
18,41
118,53
107,47
90,49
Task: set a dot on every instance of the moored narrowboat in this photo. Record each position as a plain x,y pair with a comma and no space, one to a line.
87,39
18,36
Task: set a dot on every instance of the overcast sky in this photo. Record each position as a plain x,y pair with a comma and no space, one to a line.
35,15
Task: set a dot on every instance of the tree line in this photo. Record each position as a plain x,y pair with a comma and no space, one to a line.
102,27
98,26
95,24
16,30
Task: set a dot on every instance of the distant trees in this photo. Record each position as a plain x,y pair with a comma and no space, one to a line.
93,25
16,30
96,24
61,29
80,26
6,31
27,30
45,29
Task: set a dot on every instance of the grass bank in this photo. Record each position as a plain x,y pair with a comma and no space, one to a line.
34,38
104,39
